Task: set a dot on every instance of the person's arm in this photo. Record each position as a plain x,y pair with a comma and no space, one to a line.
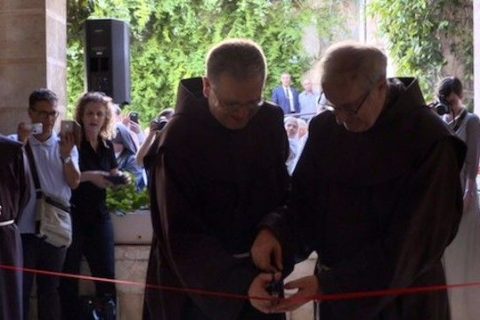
137,130
145,147
70,170
23,132
472,157
96,177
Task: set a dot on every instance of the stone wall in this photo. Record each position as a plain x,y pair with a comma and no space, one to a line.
32,55
476,54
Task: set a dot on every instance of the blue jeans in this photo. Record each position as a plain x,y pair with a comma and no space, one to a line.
94,240
37,254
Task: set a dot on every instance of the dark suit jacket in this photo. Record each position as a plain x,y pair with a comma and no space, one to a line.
279,98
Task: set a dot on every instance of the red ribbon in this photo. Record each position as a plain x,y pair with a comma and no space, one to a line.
319,297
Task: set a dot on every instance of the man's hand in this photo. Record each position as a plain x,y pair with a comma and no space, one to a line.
67,141
266,252
135,127
23,132
126,176
260,299
307,288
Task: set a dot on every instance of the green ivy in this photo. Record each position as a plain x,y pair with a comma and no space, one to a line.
420,31
171,37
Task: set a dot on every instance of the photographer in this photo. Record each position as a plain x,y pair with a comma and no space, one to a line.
146,150
92,226
462,258
55,159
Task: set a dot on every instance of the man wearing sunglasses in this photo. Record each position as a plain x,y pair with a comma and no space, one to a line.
376,193
218,178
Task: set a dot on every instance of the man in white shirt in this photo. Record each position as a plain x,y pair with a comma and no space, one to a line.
56,161
308,100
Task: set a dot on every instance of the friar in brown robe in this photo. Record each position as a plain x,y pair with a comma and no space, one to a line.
380,207
13,196
214,187
376,192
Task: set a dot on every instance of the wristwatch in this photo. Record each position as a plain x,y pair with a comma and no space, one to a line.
66,160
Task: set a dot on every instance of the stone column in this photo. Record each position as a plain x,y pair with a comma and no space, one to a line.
476,55
33,41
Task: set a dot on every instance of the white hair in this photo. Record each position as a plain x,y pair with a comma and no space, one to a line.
352,61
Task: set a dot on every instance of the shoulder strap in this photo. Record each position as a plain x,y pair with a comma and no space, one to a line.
459,121
33,170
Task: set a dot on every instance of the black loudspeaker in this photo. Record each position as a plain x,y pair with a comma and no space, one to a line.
107,54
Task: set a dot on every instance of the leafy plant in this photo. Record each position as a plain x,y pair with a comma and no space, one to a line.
421,33
126,199
171,37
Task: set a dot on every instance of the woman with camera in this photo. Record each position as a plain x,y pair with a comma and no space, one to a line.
92,227
462,256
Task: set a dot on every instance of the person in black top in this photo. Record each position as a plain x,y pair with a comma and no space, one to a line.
92,227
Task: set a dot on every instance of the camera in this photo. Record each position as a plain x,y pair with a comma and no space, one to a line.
37,128
71,126
159,123
441,106
117,179
134,116
66,126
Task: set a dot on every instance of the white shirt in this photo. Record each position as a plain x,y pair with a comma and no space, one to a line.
50,173
308,104
289,95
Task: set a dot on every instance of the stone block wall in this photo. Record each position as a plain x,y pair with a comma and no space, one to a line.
33,55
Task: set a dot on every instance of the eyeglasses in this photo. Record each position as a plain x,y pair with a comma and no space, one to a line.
45,114
234,107
323,101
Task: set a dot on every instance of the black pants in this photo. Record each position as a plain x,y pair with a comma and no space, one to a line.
37,254
94,240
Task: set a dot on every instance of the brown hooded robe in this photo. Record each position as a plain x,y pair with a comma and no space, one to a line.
212,190
379,207
13,197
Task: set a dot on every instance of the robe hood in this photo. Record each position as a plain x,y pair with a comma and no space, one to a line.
403,134
190,98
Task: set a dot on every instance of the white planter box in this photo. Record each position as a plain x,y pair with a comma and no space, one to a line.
133,228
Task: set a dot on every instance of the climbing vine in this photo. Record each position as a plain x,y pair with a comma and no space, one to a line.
423,34
169,40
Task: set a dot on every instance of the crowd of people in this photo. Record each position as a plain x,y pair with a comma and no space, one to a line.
381,185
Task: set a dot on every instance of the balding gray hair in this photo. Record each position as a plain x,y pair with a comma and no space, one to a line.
352,61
